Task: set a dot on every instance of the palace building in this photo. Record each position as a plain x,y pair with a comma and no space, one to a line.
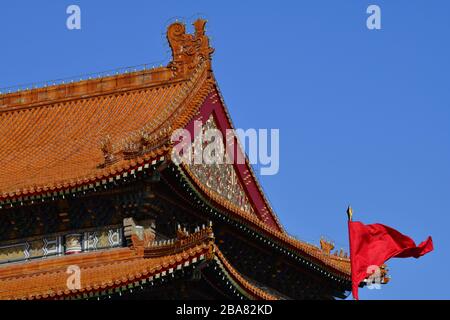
93,207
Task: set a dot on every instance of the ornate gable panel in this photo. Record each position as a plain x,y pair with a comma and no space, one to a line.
235,186
221,178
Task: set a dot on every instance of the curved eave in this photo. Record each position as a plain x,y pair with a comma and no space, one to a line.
117,172
305,253
120,271
197,88
185,100
330,266
238,280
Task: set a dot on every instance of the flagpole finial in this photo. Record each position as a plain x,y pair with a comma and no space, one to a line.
349,213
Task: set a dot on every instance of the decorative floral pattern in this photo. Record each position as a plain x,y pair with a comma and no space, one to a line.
220,178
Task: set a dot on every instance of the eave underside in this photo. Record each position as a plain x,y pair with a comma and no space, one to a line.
258,258
196,272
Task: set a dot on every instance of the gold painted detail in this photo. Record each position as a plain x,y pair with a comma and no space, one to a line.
56,245
220,178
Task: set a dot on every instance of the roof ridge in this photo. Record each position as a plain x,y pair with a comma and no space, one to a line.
40,97
188,51
80,77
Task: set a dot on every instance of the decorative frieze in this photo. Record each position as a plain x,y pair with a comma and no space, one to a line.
52,246
72,243
115,237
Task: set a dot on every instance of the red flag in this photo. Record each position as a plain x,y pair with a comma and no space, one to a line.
374,244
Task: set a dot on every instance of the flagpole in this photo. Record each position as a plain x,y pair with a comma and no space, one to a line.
349,219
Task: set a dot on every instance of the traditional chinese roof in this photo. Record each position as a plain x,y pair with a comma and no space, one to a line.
59,137
107,273
72,137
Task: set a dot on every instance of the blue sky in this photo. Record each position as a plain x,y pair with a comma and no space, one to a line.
363,115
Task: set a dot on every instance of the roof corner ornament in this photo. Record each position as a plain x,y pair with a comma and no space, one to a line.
341,254
326,246
188,50
385,278
107,150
